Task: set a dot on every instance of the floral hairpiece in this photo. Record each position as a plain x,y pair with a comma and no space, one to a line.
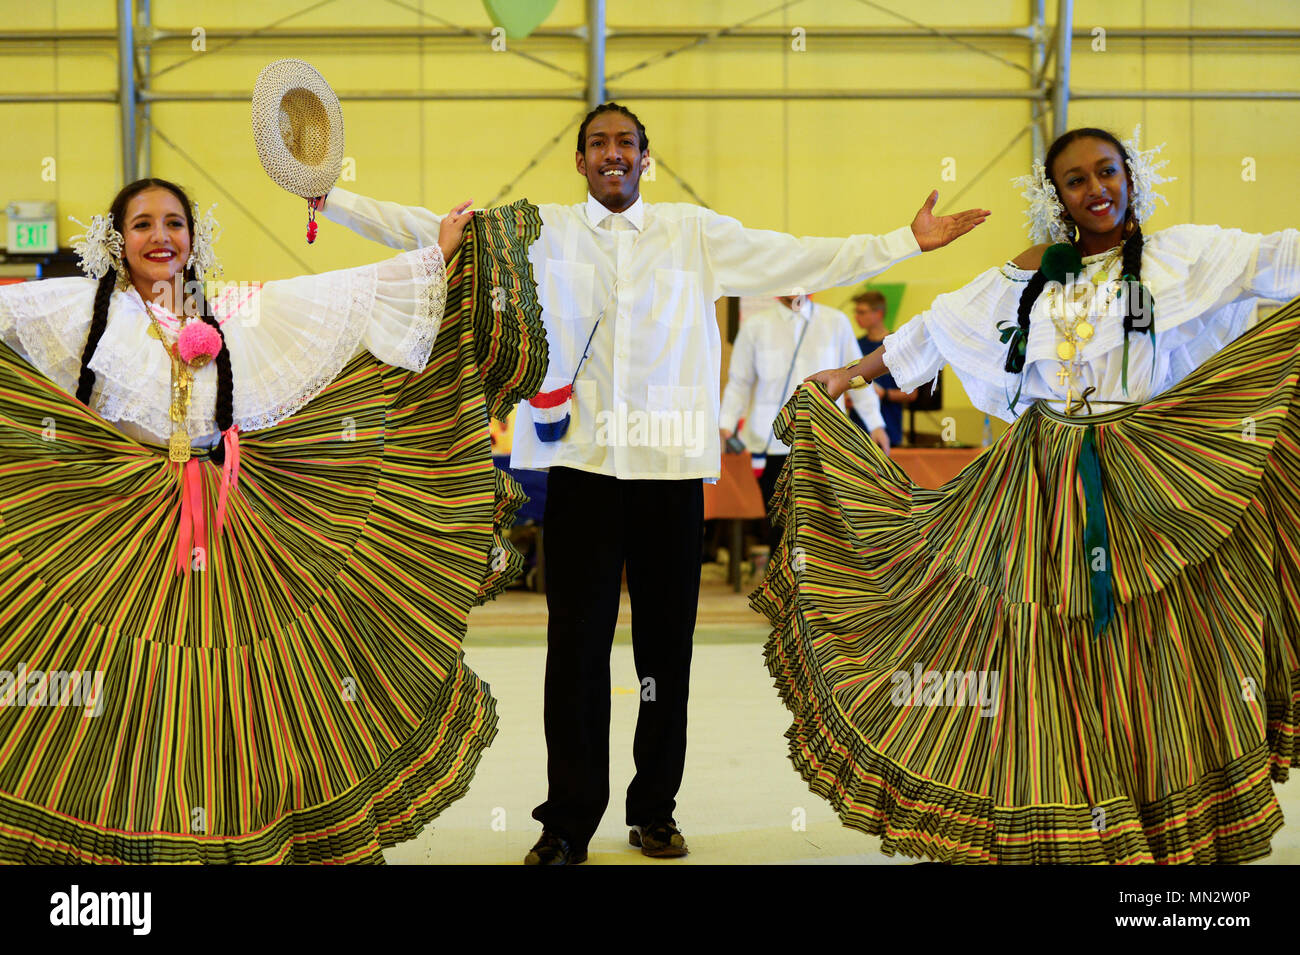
99,248
1146,176
1045,217
203,258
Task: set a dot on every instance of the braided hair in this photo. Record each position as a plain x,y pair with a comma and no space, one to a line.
1137,298
196,305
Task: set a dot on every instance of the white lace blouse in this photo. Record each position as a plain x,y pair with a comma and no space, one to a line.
1205,281
287,339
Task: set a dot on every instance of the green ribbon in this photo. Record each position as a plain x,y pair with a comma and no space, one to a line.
1151,330
1096,543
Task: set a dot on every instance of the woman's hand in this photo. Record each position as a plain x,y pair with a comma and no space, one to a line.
836,381
452,229
881,437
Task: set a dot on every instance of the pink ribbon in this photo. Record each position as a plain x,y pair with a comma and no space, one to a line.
193,528
229,474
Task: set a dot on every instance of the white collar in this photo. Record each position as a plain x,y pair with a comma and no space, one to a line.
597,213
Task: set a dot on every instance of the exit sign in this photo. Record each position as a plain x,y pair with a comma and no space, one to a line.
32,227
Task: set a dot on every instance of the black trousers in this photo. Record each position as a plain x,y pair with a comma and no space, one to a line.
766,485
594,524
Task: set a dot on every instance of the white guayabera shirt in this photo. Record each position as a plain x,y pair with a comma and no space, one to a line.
646,401
761,362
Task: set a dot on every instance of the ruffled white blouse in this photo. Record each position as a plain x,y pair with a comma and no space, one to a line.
1205,280
287,339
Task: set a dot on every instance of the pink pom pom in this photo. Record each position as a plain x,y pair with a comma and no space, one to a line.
198,344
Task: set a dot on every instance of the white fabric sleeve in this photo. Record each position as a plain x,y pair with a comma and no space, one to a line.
741,375
1205,281
393,224
758,262
961,328
865,400
46,322
911,354
293,337
1276,269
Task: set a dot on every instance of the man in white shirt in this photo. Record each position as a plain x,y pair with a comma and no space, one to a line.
775,350
637,282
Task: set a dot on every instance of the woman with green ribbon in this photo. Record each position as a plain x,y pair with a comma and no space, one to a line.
1086,646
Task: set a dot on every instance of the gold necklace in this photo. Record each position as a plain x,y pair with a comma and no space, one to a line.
1071,319
178,447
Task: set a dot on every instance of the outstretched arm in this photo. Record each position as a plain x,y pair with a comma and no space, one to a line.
393,224
759,262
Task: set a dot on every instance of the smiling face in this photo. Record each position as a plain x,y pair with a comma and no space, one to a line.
156,237
1093,183
612,161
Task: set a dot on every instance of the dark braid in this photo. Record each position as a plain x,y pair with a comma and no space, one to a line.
98,322
200,307
1016,359
1138,303
224,413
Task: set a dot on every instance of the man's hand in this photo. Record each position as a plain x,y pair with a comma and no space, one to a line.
934,232
881,437
836,381
452,229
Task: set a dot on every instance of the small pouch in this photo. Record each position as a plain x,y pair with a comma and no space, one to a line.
552,412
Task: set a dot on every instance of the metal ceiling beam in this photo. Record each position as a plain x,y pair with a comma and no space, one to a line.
126,90
1061,73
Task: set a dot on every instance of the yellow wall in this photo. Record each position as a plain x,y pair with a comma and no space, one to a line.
827,167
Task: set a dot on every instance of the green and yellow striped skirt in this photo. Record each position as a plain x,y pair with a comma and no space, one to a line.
300,694
937,648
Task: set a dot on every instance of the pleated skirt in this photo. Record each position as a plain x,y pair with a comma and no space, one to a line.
299,694
936,648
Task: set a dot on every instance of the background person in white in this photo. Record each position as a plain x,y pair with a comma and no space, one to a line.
766,370
653,273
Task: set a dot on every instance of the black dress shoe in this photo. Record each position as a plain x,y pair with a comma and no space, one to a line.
554,850
659,840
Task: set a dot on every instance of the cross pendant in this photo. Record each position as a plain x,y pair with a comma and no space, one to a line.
1063,375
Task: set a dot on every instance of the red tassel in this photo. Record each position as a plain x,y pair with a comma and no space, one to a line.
312,206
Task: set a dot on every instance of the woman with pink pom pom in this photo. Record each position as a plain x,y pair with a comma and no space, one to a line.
254,538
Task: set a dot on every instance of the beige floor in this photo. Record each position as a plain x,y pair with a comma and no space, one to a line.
741,800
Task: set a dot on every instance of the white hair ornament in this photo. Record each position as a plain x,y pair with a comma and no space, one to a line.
203,258
99,248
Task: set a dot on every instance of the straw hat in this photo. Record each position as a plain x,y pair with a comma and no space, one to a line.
298,128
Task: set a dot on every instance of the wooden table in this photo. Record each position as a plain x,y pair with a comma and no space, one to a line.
737,498
933,467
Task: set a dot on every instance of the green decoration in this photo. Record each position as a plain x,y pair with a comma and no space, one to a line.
519,17
1061,261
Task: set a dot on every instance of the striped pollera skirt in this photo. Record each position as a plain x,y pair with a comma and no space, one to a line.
300,695
937,651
